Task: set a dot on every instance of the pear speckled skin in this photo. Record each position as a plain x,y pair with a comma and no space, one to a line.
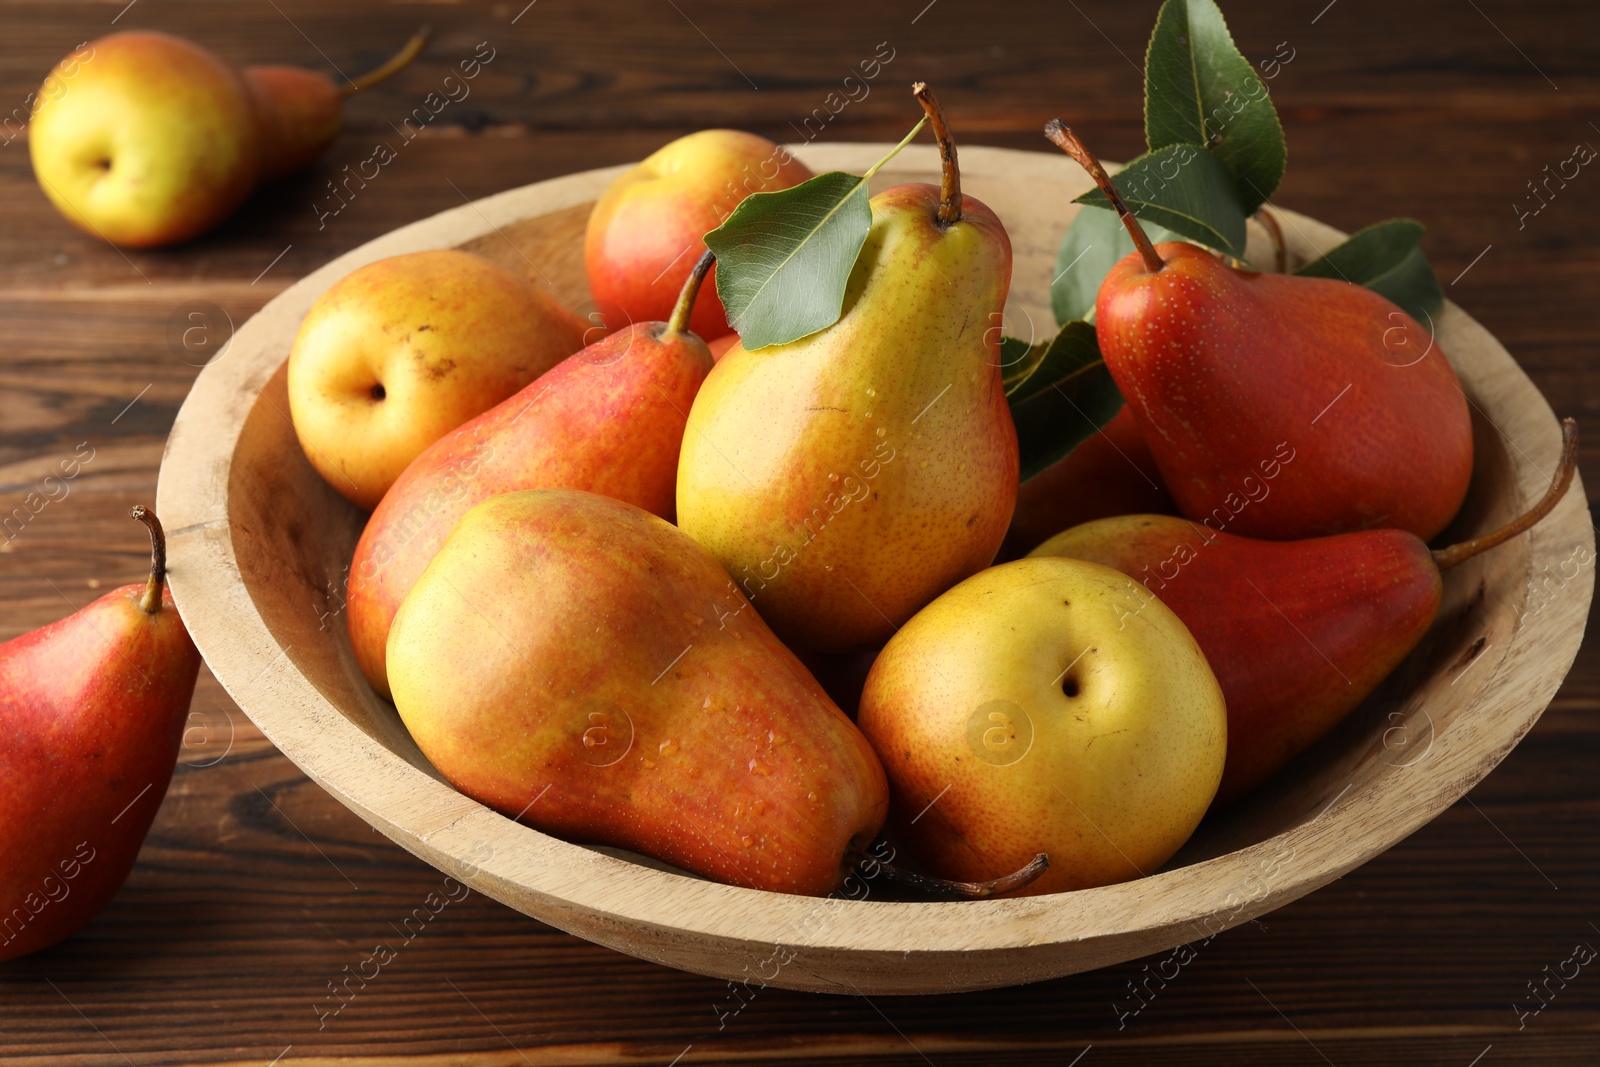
848,478
1298,632
581,664
1223,367
608,419
1046,705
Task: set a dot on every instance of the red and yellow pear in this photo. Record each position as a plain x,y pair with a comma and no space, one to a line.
580,664
847,478
648,226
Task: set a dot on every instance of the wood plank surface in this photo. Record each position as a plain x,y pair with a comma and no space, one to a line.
256,889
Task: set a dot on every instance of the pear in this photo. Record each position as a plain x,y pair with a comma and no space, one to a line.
638,241
848,478
580,664
608,419
398,353
145,139
1299,632
92,710
299,112
298,115
1316,392
1033,708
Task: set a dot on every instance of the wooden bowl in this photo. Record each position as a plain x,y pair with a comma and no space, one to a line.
259,547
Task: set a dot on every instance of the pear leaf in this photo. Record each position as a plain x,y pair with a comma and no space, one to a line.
1018,358
1200,90
1386,257
1186,189
1095,241
784,258
1065,395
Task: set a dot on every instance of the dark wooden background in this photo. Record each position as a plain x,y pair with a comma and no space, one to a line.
255,888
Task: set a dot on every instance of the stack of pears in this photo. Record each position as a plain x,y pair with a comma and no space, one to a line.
597,606
646,700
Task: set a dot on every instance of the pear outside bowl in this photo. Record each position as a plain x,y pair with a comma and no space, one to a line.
259,544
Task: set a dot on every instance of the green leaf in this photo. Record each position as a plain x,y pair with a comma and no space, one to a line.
1095,241
784,258
1386,257
1199,90
1187,190
1017,359
1065,396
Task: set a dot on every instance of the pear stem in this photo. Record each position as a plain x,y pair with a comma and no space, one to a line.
945,889
950,210
679,322
1446,558
1063,138
398,62
150,603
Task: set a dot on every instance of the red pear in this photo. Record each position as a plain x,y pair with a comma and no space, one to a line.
609,419
1297,632
1229,371
92,710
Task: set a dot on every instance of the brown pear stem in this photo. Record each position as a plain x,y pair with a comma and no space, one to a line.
679,322
950,185
1269,222
1446,558
1063,138
398,62
150,603
945,889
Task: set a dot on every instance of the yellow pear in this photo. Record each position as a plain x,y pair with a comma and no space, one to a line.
847,478
1046,705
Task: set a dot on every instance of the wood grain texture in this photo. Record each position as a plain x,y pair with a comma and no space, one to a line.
233,922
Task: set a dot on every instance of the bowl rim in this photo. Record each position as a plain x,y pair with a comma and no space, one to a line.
566,884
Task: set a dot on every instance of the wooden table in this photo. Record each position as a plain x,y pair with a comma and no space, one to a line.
255,889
